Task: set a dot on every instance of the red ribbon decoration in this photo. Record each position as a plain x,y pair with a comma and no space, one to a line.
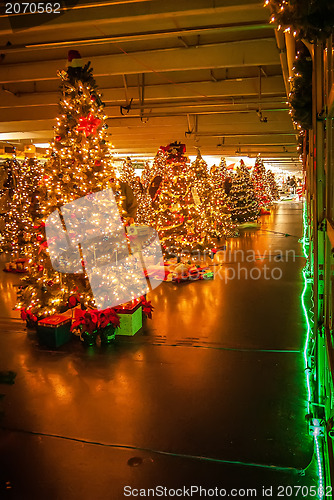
88,125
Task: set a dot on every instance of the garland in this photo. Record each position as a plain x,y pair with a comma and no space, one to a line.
300,97
312,20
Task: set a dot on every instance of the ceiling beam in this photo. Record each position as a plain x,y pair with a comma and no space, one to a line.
180,32
139,11
246,87
259,52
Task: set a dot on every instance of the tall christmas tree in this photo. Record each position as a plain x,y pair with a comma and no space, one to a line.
79,165
21,186
180,218
261,184
243,202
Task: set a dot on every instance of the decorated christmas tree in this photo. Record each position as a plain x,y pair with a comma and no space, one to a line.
151,179
243,202
128,175
273,185
217,203
78,166
261,184
180,218
209,188
21,190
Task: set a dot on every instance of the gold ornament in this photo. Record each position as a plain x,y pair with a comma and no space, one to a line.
67,179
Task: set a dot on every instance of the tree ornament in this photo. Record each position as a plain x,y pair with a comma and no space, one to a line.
58,138
67,179
88,125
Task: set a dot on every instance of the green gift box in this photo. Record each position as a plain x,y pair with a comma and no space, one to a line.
54,331
131,320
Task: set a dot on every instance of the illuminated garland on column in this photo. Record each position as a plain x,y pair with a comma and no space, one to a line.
300,96
311,20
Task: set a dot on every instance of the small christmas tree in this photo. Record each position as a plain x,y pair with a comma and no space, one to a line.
180,218
151,179
261,184
221,221
243,202
273,185
23,201
210,190
78,165
128,175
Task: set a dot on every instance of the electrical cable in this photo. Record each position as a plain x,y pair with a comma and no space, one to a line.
158,452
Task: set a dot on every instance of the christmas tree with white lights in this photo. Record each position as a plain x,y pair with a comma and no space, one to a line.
151,180
243,203
21,188
272,185
180,218
78,165
128,175
217,203
261,184
209,189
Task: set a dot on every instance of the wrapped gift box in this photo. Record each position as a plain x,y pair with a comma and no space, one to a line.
54,331
17,266
131,319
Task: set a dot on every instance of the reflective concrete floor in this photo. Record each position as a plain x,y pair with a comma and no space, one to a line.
211,392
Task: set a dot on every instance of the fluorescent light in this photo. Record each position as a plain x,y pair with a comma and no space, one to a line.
42,145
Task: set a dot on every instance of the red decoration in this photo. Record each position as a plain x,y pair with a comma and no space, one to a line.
39,237
92,320
97,163
73,54
43,246
147,307
73,301
28,316
58,139
88,124
175,152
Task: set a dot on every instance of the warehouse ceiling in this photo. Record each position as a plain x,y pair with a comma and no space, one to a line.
204,72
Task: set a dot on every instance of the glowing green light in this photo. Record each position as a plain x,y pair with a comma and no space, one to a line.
309,324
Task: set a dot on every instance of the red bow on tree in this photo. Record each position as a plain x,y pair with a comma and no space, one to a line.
88,124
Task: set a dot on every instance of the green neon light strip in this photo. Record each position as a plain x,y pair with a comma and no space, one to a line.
308,319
